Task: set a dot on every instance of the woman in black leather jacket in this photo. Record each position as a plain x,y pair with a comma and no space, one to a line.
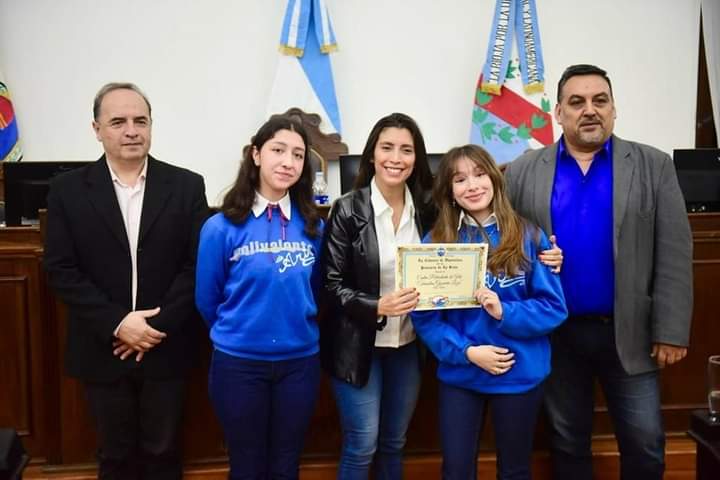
367,341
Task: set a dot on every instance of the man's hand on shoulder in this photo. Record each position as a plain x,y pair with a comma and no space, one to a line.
135,333
553,257
665,354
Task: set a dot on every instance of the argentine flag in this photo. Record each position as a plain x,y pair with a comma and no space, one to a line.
304,77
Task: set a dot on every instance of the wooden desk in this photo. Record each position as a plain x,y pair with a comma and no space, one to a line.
49,411
707,436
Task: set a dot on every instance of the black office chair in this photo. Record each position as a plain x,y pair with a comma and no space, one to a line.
13,457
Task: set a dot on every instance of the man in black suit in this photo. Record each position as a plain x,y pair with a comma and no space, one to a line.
120,252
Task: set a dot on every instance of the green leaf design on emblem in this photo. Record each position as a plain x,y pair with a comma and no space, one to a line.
479,115
537,121
482,98
510,70
505,134
487,130
523,131
545,105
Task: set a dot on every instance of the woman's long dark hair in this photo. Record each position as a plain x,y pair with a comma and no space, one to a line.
509,255
420,180
238,202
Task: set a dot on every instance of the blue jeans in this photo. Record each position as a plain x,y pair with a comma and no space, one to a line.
265,409
376,416
462,414
583,351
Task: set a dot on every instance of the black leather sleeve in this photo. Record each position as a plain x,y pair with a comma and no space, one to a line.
341,250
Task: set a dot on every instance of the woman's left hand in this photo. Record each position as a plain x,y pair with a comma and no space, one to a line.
490,302
553,257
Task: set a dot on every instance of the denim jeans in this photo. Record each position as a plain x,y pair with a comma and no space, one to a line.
265,409
375,418
462,414
583,351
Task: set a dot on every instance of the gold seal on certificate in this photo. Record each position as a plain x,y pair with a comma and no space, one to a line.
445,274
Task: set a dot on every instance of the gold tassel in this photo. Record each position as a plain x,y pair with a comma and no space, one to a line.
491,88
329,48
294,51
537,87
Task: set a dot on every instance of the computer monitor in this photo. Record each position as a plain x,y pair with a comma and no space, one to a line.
350,164
698,172
26,188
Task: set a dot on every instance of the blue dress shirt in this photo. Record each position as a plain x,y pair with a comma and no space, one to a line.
582,219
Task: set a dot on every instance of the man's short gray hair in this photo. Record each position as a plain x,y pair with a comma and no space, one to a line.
109,87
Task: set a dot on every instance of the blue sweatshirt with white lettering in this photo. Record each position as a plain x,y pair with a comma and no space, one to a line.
256,290
533,305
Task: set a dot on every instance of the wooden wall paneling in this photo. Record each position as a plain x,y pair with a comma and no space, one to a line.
15,364
424,430
52,370
77,434
202,435
21,344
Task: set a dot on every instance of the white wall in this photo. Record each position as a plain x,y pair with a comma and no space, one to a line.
208,66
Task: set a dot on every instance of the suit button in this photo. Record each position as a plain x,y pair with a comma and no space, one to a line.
139,250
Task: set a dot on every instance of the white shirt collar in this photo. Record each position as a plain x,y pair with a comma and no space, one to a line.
261,204
116,179
469,220
379,203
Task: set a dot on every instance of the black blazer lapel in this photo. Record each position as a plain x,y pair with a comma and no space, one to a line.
363,216
157,190
101,194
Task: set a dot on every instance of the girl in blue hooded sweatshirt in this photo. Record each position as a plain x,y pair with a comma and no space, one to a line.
257,272
497,355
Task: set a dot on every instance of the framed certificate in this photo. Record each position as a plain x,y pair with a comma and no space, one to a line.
445,274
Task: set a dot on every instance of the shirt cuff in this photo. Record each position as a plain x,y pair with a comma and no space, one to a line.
117,329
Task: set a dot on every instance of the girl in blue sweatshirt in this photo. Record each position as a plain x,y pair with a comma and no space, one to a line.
256,269
497,355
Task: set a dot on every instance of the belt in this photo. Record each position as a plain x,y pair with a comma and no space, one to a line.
591,318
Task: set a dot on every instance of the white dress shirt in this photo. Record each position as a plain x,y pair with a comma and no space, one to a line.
130,200
399,330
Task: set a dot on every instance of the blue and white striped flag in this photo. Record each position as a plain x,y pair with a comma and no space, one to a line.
304,77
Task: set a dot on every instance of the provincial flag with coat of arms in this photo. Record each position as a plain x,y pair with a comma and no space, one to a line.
9,138
511,112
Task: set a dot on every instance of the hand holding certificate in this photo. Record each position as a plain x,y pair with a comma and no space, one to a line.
445,274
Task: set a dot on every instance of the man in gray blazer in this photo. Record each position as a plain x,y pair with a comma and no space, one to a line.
616,208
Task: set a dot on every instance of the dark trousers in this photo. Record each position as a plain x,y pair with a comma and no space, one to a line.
583,351
265,409
462,415
138,423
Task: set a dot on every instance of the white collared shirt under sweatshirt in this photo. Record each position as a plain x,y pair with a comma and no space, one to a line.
469,220
260,205
399,330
